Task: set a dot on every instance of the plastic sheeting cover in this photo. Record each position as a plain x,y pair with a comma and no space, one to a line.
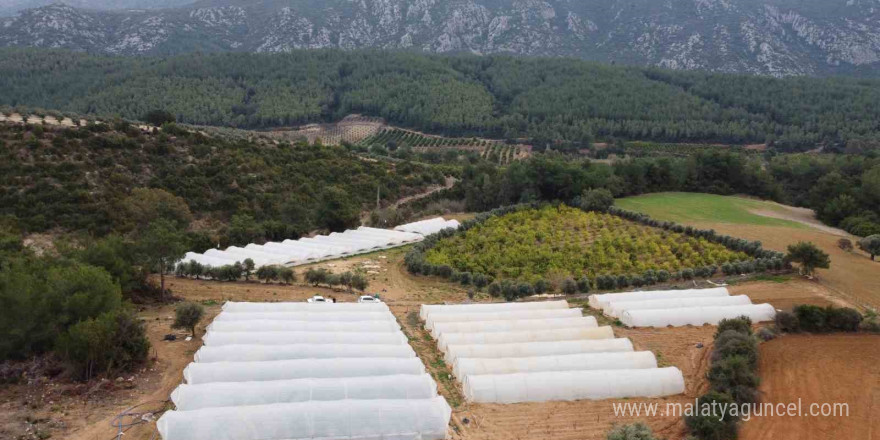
255,353
198,372
306,316
427,309
212,395
573,385
601,301
550,335
304,326
286,307
696,315
288,338
425,419
615,309
571,362
532,349
508,326
501,316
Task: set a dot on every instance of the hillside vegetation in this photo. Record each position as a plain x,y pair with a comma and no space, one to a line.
78,179
546,100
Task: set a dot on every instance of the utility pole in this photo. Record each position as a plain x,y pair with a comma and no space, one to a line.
377,197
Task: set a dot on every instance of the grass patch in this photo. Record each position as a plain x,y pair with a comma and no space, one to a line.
689,208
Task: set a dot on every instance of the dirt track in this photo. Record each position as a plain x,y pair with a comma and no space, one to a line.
820,369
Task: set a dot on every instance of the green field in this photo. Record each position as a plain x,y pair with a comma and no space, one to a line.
690,208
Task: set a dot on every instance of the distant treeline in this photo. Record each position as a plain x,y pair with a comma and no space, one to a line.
545,100
843,189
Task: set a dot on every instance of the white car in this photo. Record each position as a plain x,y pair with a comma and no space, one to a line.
317,299
368,299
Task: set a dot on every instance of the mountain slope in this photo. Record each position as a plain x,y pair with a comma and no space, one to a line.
775,37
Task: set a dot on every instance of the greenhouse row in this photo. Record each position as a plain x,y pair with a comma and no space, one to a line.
680,307
286,371
542,351
322,247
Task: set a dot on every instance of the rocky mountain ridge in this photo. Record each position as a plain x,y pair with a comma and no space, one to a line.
771,37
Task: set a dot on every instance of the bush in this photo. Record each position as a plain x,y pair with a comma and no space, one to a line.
114,341
663,276
595,200
742,325
541,286
569,286
707,424
480,281
870,325
811,318
843,319
845,244
787,322
583,285
734,376
732,343
287,275
809,256
766,333
494,289
635,431
187,316
443,270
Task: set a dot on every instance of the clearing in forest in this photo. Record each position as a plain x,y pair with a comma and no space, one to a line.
692,208
556,242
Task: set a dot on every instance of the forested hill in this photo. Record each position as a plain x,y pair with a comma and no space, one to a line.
545,99
771,37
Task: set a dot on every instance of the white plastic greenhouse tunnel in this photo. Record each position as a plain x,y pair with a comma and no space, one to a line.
602,301
508,326
398,419
291,371
696,315
615,309
323,247
573,385
663,308
541,351
549,335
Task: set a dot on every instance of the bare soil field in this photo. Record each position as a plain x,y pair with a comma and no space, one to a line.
819,369
853,277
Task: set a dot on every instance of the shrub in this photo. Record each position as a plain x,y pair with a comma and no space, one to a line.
287,275
766,333
443,270
843,319
359,282
569,286
870,325
707,424
187,315
583,285
114,341
541,286
734,376
635,431
595,200
464,278
663,275
811,318
494,289
687,274
787,322
480,281
733,343
743,325
316,276
845,244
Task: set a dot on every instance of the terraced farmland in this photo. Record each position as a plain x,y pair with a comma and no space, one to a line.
492,150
